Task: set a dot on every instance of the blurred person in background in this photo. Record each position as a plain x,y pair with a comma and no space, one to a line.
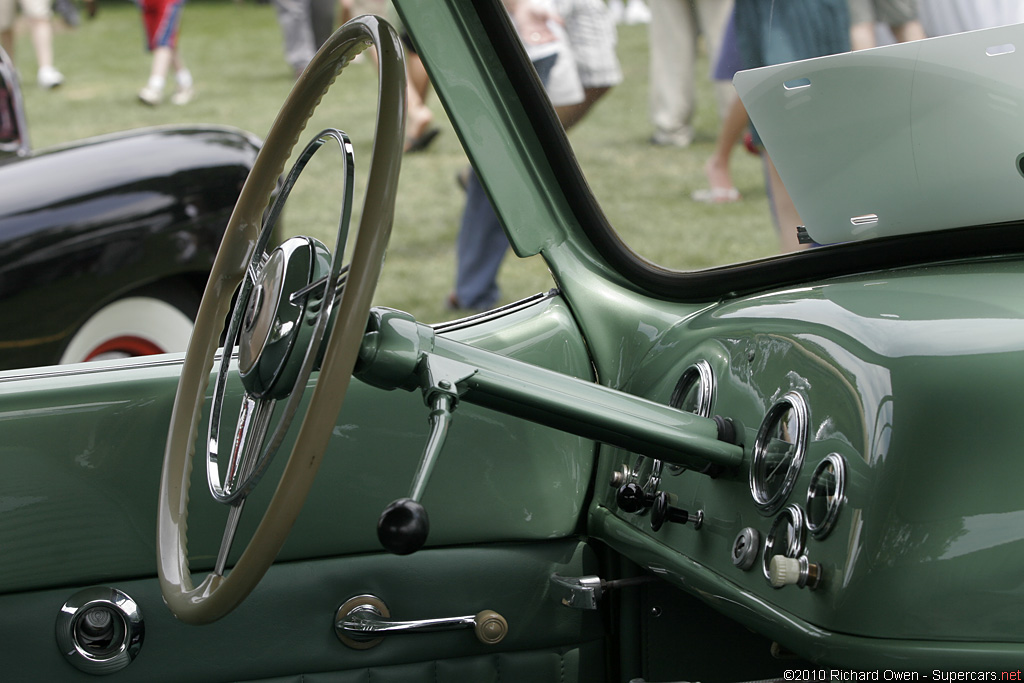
40,20
162,21
901,16
674,32
770,32
305,26
943,17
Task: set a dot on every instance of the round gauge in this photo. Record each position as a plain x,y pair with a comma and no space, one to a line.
779,452
695,390
825,495
694,393
786,537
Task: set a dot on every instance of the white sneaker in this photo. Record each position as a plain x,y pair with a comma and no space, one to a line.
150,96
48,77
637,12
183,95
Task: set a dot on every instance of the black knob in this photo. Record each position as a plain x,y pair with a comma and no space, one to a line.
662,512
631,498
403,527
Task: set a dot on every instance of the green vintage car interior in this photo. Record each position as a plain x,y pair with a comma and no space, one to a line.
803,464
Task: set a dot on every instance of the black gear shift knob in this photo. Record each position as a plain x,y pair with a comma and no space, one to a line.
403,527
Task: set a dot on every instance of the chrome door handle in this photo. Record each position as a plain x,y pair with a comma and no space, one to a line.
363,621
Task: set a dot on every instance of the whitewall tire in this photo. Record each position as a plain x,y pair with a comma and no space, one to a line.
133,326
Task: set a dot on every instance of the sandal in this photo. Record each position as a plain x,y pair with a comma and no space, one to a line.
716,195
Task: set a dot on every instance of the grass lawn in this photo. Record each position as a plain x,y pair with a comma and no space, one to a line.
234,52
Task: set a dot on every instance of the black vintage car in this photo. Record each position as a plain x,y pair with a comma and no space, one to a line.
105,244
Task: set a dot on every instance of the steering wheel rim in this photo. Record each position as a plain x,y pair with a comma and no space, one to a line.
217,595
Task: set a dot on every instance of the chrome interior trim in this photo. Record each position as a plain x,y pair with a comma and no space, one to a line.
57,371
494,313
119,623
701,373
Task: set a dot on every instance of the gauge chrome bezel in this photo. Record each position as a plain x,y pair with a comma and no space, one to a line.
701,373
820,529
769,505
797,543
698,372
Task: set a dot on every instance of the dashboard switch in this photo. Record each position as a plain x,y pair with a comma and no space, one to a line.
745,547
662,512
632,498
790,571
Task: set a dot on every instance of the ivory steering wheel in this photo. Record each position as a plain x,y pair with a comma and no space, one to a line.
221,591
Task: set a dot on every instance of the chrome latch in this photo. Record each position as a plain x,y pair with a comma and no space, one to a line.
583,592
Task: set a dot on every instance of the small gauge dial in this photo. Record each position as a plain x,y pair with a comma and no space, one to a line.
779,452
695,390
786,537
694,393
825,495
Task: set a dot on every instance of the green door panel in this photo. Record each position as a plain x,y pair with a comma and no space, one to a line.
286,629
82,448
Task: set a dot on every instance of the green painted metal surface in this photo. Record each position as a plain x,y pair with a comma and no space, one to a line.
914,378
82,451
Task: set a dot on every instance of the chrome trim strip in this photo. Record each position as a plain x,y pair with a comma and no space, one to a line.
494,313
95,367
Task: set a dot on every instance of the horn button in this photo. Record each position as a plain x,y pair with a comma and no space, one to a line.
275,328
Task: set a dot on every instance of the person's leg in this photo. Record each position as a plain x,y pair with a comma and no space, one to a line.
7,42
717,167
911,30
480,249
673,44
8,10
184,91
571,114
296,32
161,65
39,17
713,19
787,219
419,116
42,41
591,36
322,14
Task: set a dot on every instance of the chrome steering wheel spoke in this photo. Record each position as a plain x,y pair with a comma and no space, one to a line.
272,310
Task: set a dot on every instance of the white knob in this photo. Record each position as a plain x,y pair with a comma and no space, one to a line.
784,571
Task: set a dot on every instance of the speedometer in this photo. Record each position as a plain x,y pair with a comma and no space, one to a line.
779,452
